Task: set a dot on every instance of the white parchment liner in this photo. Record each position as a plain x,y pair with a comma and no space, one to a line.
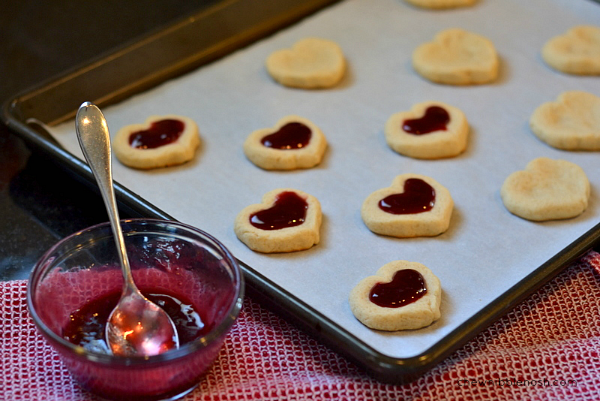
485,251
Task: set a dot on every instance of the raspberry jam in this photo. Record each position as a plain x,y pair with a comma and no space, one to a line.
407,286
436,118
289,210
87,324
418,197
159,134
291,136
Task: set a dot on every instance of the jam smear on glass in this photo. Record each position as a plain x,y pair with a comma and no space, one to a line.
87,325
407,286
418,197
289,210
291,136
436,118
160,133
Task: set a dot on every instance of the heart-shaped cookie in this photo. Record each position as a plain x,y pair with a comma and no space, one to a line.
293,143
413,206
402,295
546,190
286,220
310,64
160,141
430,130
457,57
577,51
570,123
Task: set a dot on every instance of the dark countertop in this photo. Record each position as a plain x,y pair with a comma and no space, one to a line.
39,201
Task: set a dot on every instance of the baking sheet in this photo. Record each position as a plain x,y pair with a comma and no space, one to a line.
485,251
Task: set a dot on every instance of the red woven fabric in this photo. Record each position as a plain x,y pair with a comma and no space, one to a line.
546,348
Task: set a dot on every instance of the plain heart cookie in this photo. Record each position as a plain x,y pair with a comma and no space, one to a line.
457,57
441,4
401,295
286,220
159,142
312,63
575,52
413,206
430,130
546,190
572,122
293,143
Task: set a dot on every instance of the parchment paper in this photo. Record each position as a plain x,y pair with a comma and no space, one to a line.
486,249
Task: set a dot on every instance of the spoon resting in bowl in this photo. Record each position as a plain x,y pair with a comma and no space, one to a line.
136,326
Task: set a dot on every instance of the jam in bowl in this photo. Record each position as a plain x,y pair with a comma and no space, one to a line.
193,277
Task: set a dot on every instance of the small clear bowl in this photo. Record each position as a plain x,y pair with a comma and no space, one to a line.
165,256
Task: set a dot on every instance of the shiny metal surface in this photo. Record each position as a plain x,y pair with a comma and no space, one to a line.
136,326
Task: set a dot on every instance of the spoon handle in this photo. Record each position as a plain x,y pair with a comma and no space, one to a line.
94,139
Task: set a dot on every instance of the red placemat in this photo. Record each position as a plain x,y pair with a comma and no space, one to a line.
548,347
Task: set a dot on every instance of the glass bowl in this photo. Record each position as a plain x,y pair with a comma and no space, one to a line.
167,258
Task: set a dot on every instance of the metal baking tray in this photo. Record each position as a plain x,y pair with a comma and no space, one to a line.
183,47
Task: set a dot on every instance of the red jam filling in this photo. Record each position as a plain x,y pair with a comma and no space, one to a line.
436,118
407,286
418,197
159,134
290,136
87,325
289,210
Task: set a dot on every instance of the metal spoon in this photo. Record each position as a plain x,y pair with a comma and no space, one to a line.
136,326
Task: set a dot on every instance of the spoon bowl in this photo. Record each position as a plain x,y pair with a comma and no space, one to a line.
136,326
